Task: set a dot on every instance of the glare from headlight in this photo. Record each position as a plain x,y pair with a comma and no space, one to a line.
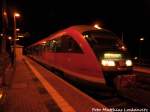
108,63
128,63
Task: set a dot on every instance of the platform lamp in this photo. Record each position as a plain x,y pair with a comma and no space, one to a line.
15,15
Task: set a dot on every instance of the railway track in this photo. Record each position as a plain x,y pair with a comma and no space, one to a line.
114,99
135,97
140,92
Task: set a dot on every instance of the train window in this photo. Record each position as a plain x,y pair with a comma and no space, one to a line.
54,45
57,45
64,44
49,46
74,47
101,41
37,49
70,45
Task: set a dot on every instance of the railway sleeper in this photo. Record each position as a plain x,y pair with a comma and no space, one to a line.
136,95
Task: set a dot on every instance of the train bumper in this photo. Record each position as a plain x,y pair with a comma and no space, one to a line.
117,69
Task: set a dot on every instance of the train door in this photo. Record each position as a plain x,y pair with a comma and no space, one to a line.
60,45
65,56
74,56
56,52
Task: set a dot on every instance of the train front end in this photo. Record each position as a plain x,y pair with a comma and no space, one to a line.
117,68
113,57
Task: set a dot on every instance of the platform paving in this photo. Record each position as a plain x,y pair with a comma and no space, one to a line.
23,94
77,99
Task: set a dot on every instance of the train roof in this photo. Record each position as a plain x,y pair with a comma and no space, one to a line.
79,28
83,28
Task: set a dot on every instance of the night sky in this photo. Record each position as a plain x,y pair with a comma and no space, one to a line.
43,17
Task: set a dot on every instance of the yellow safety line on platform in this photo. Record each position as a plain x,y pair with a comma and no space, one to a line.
61,102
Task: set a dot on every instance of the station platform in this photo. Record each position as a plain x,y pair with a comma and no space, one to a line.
32,88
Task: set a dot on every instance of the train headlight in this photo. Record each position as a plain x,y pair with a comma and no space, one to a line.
128,63
108,62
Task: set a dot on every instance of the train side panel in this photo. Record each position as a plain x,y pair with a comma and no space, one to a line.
80,63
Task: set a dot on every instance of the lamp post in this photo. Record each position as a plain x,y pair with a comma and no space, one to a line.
4,25
140,48
15,15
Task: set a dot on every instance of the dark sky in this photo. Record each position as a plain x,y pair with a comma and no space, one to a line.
43,17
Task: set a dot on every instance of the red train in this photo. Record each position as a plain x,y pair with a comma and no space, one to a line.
89,54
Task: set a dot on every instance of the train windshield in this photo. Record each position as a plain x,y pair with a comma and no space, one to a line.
101,42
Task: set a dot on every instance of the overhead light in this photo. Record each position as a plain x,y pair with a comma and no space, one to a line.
1,95
17,38
16,14
5,14
17,29
86,36
97,26
1,34
20,36
136,58
9,37
141,39
44,42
